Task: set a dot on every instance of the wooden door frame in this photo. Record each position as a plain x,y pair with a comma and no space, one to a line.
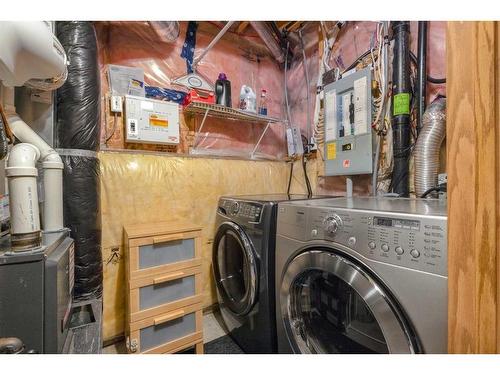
473,154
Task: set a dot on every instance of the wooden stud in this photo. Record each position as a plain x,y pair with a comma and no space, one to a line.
242,26
497,96
473,182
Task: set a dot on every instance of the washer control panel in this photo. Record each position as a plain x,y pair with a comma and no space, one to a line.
408,240
250,211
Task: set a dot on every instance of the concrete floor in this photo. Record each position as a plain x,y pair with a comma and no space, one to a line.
212,330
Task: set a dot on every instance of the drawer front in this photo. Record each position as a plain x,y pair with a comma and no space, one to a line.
162,253
167,332
155,295
153,255
172,330
169,291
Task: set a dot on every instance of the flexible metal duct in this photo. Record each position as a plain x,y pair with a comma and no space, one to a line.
427,148
269,39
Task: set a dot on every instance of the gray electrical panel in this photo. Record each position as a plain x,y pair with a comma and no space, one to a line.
348,131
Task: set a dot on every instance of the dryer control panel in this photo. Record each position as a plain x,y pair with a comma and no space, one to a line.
405,239
250,211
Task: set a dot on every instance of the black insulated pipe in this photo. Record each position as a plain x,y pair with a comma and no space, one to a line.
401,99
77,139
421,72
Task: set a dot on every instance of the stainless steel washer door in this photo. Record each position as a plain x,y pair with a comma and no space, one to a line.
329,304
235,268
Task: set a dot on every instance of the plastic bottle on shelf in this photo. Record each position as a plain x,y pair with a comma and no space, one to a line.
263,103
223,90
247,99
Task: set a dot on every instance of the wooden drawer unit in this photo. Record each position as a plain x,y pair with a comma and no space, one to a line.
164,280
168,333
158,294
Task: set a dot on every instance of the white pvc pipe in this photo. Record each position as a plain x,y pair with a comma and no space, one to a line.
24,133
52,177
53,189
23,196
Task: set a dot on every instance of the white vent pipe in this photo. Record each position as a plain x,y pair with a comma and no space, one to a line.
52,177
23,197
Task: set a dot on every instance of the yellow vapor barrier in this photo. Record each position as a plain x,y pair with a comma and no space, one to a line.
142,188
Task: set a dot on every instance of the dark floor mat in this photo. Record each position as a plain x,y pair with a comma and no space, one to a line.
222,345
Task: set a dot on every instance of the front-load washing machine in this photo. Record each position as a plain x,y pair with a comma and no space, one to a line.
243,268
362,275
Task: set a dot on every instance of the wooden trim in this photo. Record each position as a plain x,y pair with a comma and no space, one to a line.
154,278
166,268
160,228
497,120
199,348
188,345
473,181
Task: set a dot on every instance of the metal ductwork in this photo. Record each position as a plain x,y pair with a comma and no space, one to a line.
428,146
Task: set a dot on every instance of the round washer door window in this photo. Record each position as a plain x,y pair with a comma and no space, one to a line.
330,304
235,268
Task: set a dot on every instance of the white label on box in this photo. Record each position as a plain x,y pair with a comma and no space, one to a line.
132,129
331,116
346,119
360,110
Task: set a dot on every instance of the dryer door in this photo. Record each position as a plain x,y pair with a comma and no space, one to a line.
235,268
330,304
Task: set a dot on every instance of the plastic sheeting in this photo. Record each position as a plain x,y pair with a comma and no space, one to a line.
78,115
139,188
244,59
81,193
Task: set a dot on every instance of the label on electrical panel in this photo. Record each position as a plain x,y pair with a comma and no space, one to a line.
330,116
401,104
331,151
360,107
156,120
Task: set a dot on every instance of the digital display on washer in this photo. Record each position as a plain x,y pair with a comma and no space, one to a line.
396,223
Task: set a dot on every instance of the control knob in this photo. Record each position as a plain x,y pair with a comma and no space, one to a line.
332,223
235,207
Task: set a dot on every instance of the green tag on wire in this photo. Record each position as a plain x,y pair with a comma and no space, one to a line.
401,104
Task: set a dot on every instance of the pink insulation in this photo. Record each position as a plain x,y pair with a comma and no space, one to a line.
136,44
245,60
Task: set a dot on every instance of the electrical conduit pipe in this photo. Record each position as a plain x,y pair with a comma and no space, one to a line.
52,176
